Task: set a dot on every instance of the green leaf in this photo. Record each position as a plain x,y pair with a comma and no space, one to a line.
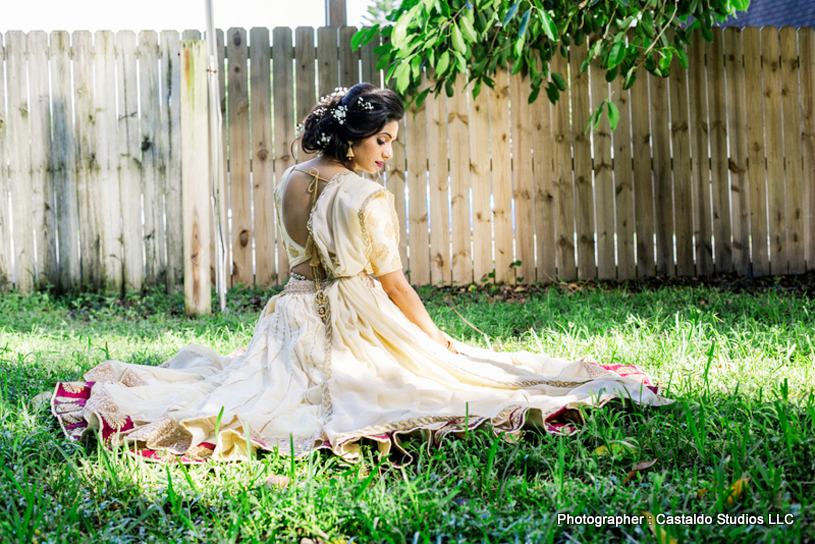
552,93
682,56
467,29
444,62
400,31
421,97
524,23
458,41
617,54
517,65
613,115
548,25
519,47
510,13
534,95
558,80
402,75
611,75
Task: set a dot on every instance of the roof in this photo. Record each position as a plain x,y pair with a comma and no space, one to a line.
778,13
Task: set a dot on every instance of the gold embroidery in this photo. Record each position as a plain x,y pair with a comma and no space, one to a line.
74,387
366,236
389,231
380,252
102,404
131,379
102,373
372,220
164,433
396,262
595,370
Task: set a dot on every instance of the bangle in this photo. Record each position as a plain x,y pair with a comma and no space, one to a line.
450,347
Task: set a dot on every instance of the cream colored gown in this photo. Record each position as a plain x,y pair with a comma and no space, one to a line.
331,363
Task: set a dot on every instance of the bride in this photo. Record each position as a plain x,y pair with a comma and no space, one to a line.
347,350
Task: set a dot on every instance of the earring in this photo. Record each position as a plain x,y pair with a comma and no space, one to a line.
350,154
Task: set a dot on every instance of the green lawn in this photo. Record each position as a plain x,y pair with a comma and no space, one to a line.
740,366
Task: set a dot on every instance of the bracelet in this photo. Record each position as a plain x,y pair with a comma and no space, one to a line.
450,347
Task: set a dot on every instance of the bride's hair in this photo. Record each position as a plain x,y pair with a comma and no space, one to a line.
348,115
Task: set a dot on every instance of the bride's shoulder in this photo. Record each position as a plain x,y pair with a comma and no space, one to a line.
354,184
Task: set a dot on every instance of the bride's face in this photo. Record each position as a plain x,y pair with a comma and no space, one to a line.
371,153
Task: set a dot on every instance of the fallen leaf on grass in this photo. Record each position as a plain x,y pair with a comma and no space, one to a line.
278,480
659,533
735,493
701,494
617,448
638,468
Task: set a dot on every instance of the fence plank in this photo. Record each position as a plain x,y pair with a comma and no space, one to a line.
129,161
544,190
481,187
262,159
63,149
223,70
395,180
106,158
349,58
583,193
240,184
663,191
195,178
623,185
501,178
5,211
306,92
806,45
522,179
283,122
755,151
603,180
368,62
773,134
458,121
720,186
700,160
170,154
436,109
327,60
418,242
643,183
564,189
792,149
737,136
42,181
20,162
682,182
152,186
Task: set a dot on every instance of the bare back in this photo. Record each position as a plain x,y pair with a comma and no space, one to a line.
302,187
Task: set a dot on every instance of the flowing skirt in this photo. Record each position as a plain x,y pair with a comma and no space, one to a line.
328,365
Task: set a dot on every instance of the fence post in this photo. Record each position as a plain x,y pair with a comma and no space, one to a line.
195,178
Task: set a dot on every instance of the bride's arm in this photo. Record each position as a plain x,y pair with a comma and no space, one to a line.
406,299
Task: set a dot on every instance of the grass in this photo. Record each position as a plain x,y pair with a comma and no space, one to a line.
740,366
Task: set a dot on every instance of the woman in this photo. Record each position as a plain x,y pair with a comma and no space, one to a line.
338,355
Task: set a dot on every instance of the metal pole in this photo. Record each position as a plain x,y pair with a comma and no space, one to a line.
216,153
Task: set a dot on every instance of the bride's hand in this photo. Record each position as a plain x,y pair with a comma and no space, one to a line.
446,342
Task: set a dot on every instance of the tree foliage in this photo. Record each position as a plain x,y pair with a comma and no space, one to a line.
378,11
475,38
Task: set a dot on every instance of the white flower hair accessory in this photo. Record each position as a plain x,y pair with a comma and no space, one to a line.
339,114
338,92
325,139
364,105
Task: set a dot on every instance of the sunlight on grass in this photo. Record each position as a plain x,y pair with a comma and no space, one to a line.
740,366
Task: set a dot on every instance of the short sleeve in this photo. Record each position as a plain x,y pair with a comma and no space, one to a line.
382,229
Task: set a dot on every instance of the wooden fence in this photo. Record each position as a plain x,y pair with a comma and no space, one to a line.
710,170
